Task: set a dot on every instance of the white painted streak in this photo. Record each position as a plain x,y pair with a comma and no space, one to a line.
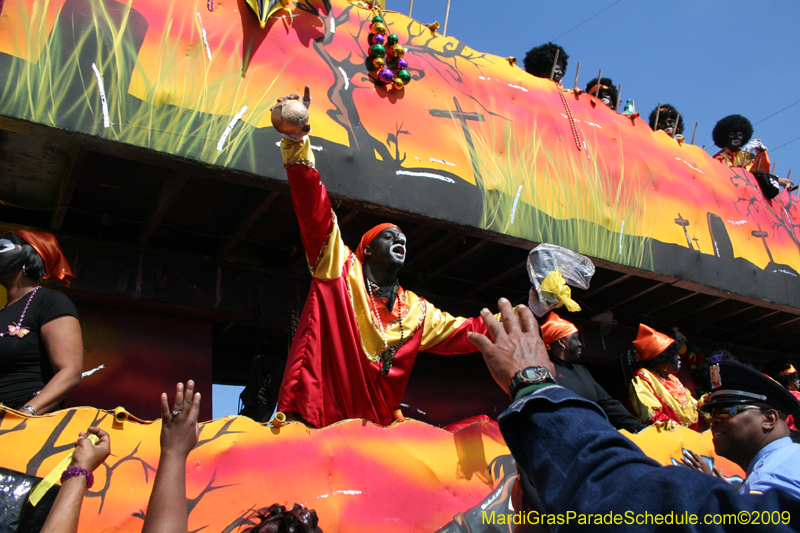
101,87
516,201
205,36
348,492
424,175
690,166
333,25
346,79
442,161
231,124
737,222
313,147
92,371
518,87
621,230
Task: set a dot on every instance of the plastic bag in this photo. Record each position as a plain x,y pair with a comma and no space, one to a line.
549,259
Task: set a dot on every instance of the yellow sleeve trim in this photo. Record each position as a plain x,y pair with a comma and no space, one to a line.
332,255
295,153
439,326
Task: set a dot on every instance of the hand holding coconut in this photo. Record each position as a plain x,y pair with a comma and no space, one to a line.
290,116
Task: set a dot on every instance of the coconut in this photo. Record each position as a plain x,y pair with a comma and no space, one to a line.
289,116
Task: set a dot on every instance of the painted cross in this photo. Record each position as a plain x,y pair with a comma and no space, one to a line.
463,117
683,223
763,236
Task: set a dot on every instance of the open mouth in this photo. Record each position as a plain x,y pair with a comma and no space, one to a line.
398,250
736,142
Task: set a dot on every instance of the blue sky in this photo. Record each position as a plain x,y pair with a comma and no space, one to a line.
707,58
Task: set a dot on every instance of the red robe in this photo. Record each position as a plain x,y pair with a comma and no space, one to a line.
741,158
334,367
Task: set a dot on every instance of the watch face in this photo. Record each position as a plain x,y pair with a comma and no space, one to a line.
533,373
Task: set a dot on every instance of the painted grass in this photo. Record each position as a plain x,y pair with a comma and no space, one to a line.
569,199
167,118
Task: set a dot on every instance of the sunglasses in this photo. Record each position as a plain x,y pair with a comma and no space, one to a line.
729,411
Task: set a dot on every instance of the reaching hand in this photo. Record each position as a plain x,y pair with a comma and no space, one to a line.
696,462
787,184
517,343
179,427
89,456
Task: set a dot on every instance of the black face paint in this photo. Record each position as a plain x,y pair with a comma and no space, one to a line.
11,256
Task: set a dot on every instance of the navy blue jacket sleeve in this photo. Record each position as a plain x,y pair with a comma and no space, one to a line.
580,463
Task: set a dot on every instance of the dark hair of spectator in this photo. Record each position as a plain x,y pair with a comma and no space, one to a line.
276,519
612,90
33,263
668,354
729,124
539,60
667,111
702,374
774,370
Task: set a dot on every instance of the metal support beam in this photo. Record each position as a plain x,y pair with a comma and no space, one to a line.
69,181
167,193
248,221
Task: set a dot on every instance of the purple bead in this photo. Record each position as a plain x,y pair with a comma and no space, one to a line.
386,76
402,64
378,39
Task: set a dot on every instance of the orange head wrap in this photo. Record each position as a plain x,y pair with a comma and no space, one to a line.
556,327
47,246
649,343
788,371
366,240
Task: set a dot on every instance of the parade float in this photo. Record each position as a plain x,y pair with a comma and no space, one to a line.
139,132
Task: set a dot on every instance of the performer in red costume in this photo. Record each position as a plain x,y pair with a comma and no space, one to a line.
359,332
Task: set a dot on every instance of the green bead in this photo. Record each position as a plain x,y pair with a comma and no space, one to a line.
377,18
404,75
393,39
377,50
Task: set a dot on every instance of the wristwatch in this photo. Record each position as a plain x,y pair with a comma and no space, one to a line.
533,375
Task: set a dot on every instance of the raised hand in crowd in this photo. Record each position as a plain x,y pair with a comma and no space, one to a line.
76,480
516,343
166,512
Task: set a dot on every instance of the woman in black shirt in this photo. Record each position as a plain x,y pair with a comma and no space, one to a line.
41,348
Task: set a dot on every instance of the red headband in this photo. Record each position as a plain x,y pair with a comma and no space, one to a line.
366,240
556,328
47,247
650,343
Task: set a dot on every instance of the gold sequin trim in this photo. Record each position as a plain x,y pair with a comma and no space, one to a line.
305,162
313,268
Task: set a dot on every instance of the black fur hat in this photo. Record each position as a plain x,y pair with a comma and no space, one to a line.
539,60
611,89
730,124
667,111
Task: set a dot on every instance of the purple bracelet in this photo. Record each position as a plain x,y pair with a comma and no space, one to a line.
75,471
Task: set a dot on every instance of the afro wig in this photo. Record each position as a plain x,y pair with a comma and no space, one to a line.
539,60
607,86
728,125
667,111
277,519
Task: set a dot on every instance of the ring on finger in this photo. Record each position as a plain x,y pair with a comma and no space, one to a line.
175,413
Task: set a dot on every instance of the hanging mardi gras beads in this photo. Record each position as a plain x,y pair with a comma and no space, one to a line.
386,55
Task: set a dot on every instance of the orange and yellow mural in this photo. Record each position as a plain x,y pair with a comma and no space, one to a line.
358,476
472,139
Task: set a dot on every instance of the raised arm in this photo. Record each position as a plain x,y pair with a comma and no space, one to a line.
166,512
309,195
582,467
66,509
